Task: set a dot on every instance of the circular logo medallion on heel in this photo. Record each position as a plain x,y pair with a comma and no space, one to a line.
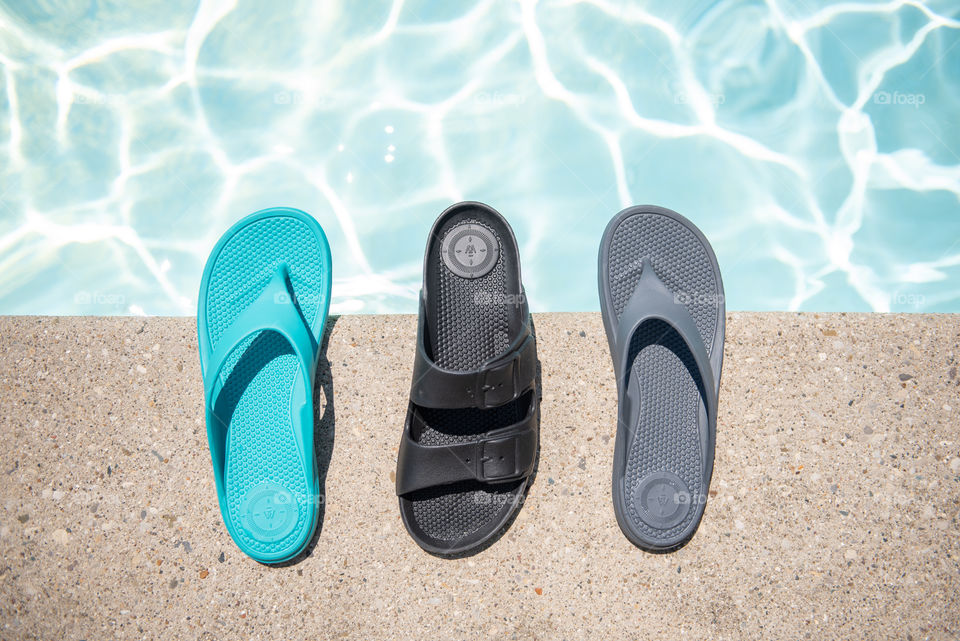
470,250
662,500
269,512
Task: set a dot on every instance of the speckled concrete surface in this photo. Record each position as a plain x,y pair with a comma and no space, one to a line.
834,506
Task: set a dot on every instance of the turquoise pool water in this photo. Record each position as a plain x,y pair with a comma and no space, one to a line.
817,145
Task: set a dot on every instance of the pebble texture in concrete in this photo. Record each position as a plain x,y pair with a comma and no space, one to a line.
833,511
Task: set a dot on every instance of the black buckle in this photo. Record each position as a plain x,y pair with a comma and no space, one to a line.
497,385
498,459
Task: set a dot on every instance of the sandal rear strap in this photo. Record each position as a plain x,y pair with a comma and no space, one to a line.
496,382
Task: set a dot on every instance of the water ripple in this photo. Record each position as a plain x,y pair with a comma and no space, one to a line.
817,145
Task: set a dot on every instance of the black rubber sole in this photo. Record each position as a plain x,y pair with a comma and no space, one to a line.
664,451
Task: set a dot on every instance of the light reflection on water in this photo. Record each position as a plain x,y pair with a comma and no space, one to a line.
817,146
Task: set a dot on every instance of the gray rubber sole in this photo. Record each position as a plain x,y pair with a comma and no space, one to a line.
663,457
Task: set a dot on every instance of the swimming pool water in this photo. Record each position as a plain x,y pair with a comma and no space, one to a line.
817,145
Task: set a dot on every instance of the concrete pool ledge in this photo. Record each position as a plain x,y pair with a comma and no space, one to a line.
833,511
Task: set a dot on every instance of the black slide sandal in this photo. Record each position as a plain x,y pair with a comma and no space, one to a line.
470,441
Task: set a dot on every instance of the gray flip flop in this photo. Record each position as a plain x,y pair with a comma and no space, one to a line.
661,298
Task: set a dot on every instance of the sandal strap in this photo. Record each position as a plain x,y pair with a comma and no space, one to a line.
497,382
275,309
501,455
652,300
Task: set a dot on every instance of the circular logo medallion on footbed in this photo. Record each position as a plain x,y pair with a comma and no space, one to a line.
269,512
662,500
470,250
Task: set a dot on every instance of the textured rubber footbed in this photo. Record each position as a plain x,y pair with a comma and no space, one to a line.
469,332
265,484
667,440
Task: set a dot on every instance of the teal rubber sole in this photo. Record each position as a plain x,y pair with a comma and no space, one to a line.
261,444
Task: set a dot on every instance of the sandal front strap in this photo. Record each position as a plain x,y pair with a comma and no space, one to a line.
506,454
652,300
274,310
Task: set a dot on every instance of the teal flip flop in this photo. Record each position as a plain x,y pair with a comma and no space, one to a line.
263,305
